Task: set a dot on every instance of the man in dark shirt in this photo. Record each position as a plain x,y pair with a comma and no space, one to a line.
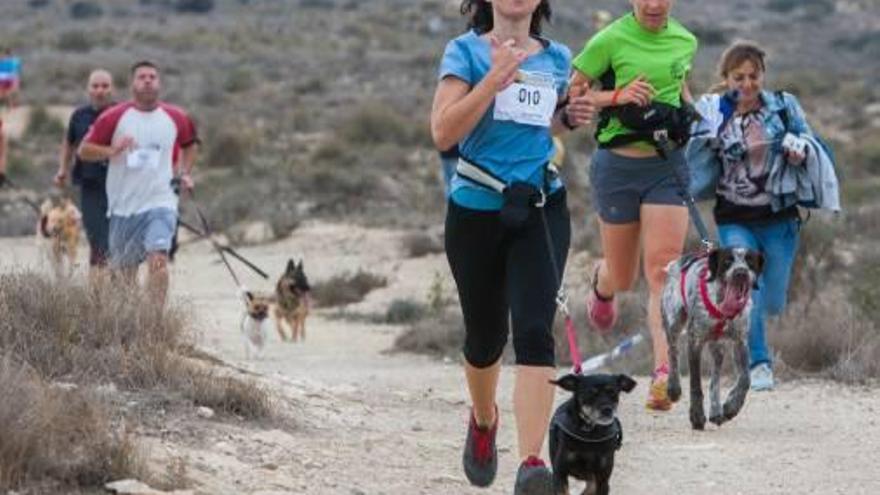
90,176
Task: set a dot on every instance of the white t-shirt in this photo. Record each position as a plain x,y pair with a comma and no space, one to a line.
140,179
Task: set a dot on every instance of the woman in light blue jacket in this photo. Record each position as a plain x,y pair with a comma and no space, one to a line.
749,138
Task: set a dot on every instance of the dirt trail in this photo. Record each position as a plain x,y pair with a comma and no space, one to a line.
372,423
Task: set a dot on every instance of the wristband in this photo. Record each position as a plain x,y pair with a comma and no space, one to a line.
615,95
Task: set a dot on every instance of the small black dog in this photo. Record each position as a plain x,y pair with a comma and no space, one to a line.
585,431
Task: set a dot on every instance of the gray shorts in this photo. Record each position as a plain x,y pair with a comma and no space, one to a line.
133,237
621,185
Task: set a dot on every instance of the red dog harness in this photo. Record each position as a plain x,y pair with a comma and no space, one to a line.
714,312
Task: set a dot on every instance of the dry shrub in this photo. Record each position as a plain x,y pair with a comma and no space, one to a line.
439,334
226,394
829,338
864,288
92,336
402,311
56,330
63,435
229,149
376,122
418,244
346,288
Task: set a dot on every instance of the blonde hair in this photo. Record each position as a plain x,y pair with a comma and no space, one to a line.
737,54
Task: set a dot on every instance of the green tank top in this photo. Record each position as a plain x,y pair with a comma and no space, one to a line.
627,49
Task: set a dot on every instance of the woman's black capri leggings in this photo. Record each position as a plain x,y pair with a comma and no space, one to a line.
504,275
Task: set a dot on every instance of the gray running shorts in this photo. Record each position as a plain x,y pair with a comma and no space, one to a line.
621,185
133,237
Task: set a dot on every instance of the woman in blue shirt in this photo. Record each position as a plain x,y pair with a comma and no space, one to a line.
501,97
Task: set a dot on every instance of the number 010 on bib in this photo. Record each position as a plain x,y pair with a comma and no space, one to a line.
530,100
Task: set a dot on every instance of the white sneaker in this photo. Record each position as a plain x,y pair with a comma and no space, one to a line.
762,377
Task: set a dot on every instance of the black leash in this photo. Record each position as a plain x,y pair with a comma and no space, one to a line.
227,249
684,192
561,296
217,247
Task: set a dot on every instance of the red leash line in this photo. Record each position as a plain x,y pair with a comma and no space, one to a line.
572,344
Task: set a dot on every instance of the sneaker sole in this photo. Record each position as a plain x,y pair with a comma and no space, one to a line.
537,485
658,406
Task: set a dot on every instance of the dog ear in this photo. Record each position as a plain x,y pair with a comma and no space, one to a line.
291,267
625,383
249,295
568,382
755,260
299,266
713,260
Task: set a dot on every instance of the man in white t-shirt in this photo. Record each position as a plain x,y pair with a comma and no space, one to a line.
147,143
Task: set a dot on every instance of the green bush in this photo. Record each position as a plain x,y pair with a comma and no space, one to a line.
346,288
85,10
74,41
41,123
439,335
376,122
194,6
239,80
865,290
229,149
404,311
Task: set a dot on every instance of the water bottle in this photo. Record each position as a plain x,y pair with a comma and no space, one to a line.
601,360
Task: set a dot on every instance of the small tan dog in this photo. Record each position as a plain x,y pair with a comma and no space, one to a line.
255,323
293,301
59,229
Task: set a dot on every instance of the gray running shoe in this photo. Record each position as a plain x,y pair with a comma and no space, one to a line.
533,478
480,457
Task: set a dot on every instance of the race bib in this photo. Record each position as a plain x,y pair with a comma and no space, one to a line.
530,100
144,158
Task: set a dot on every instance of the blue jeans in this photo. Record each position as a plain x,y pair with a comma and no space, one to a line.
778,241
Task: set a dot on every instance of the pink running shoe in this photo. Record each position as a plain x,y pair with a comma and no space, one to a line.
601,311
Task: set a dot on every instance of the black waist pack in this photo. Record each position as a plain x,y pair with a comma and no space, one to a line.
519,199
659,116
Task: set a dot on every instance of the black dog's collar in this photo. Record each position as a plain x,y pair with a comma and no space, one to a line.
611,434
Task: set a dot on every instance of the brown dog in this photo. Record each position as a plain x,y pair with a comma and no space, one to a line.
254,323
292,301
59,228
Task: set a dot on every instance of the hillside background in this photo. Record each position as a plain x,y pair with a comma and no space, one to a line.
318,109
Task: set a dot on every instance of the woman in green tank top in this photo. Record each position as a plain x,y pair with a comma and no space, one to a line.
641,61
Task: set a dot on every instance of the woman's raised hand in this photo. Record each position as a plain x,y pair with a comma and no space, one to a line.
506,59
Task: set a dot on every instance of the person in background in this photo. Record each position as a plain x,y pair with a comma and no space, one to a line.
148,143
743,142
91,177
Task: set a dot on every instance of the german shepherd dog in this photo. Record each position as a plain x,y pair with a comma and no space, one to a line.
59,229
293,301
